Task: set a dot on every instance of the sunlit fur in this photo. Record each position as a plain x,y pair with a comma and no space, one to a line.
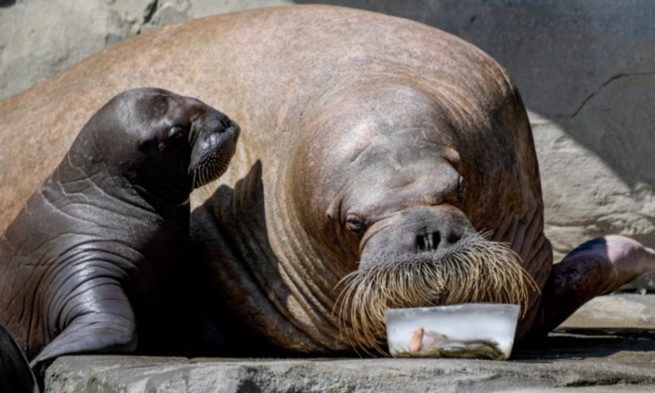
477,271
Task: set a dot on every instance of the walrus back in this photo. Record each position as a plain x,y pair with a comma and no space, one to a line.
271,91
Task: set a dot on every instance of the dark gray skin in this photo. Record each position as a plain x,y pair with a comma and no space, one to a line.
90,265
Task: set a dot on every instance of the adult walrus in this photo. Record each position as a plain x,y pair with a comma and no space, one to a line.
90,264
378,149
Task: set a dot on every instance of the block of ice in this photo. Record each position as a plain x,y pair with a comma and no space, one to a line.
472,330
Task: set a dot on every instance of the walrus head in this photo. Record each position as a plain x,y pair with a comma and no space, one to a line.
399,208
162,143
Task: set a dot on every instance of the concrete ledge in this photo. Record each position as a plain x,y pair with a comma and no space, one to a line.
595,361
147,374
607,346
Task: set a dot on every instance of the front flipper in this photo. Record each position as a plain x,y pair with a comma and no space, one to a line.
96,318
595,268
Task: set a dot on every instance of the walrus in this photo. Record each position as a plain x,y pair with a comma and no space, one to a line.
387,164
91,262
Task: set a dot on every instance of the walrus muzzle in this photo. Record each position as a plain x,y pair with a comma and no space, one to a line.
212,151
428,257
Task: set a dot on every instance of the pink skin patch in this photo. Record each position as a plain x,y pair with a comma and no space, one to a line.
629,257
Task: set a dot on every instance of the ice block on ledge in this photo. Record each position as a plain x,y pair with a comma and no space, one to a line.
472,330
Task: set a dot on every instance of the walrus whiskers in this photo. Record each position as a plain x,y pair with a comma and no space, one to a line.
478,271
212,166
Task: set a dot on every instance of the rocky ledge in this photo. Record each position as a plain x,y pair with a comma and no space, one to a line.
608,351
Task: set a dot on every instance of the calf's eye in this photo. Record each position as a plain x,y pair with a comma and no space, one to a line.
176,135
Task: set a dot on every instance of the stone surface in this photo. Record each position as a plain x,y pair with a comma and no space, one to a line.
41,37
602,362
616,311
530,370
607,346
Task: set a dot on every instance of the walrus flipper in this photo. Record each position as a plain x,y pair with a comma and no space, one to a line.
102,324
15,373
594,268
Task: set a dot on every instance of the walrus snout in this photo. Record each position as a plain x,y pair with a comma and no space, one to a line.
428,240
214,141
438,228
417,233
427,256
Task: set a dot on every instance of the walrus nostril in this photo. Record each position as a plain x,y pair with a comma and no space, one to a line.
435,240
428,241
420,242
454,238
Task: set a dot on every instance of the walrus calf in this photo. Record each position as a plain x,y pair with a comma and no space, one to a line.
87,264
387,164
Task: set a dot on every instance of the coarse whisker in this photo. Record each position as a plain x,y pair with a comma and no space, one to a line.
479,271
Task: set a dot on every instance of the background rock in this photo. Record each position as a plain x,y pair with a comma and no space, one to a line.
586,71
41,37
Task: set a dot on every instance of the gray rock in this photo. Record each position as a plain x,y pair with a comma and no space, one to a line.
628,311
606,346
537,370
40,37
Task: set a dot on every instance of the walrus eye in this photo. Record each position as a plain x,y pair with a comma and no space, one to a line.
176,135
354,223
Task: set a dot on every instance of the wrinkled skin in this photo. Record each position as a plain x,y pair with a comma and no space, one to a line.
88,266
368,138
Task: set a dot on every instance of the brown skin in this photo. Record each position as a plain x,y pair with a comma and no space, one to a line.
356,125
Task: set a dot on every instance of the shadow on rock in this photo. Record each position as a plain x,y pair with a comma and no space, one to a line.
588,343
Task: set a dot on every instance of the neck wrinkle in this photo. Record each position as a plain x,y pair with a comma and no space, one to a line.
250,277
73,179
526,237
306,269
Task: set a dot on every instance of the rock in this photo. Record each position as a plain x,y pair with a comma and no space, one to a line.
41,37
627,311
536,371
606,346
